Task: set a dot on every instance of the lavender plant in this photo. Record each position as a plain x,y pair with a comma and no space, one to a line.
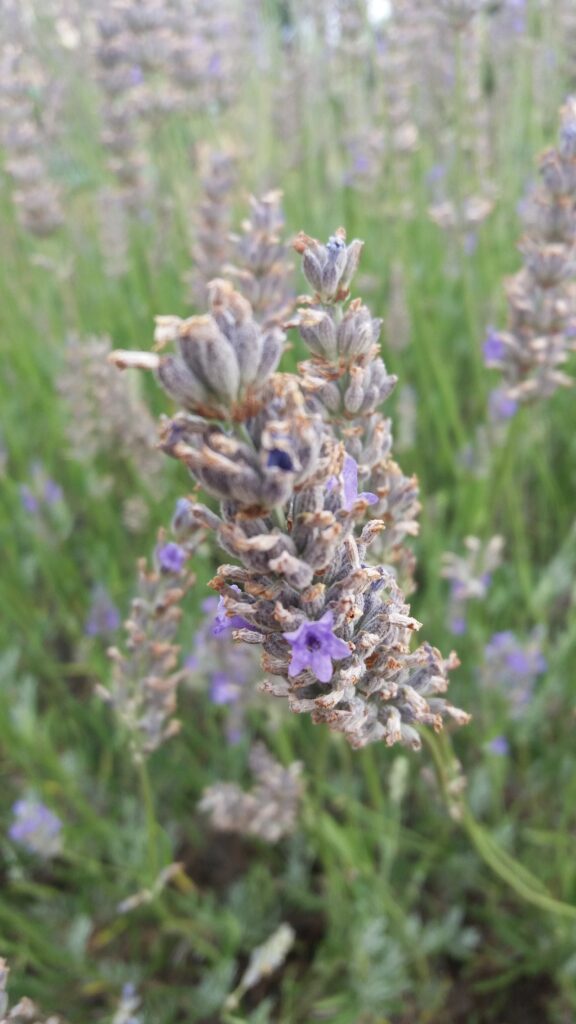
470,576
284,455
260,268
218,174
108,419
146,675
540,336
24,137
268,811
512,666
227,669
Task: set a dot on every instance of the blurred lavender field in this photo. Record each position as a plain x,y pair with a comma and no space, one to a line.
288,630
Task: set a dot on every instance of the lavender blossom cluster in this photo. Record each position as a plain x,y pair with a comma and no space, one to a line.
315,581
145,674
541,332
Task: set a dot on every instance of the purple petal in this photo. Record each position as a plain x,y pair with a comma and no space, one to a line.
321,666
350,481
367,496
298,663
337,648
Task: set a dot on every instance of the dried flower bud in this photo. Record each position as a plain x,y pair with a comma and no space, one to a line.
223,360
329,268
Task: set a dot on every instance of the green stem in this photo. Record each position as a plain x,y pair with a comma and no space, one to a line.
507,868
151,823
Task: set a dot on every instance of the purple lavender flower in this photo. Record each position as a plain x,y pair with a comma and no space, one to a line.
349,482
171,557
52,492
493,348
314,645
222,622
182,522
103,616
499,745
136,75
500,405
36,828
513,666
224,688
458,625
41,491
29,500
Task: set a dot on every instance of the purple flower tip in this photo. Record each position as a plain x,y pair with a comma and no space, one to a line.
314,646
493,348
501,406
171,557
223,622
224,689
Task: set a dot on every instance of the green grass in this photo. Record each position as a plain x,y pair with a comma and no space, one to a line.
402,913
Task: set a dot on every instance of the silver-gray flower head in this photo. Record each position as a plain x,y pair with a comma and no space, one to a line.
222,360
329,268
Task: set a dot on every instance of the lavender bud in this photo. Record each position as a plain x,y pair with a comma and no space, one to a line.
329,268
358,332
317,330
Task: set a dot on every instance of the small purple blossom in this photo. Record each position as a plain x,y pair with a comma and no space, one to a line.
458,625
182,521
171,557
52,492
41,492
136,75
224,689
500,405
493,348
513,666
499,745
29,500
224,667
223,622
103,615
349,482
314,645
36,828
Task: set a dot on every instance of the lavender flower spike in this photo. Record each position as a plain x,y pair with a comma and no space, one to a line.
314,645
328,609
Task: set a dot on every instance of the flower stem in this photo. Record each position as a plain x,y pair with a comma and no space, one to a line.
151,823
